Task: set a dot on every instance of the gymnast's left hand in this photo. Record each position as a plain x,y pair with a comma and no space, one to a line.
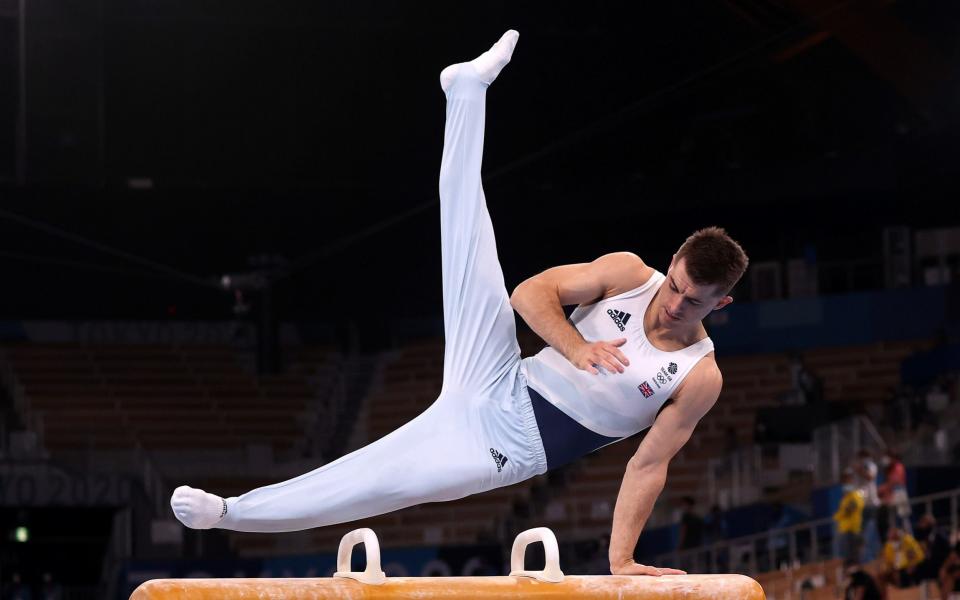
632,568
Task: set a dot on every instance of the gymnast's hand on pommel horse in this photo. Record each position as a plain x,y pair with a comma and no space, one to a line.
500,419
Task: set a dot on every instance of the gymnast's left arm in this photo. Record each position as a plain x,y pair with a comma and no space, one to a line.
646,470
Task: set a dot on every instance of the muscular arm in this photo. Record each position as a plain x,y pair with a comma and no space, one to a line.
541,298
646,470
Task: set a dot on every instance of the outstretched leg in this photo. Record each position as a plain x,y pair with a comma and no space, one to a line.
454,448
479,326
435,457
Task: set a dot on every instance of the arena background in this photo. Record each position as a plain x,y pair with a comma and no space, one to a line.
220,254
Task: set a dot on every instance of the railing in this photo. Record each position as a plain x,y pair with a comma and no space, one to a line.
735,479
836,444
795,545
935,447
739,477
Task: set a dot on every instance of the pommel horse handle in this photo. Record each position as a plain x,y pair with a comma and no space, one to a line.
551,570
373,575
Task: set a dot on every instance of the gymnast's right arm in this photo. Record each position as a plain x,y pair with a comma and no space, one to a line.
541,298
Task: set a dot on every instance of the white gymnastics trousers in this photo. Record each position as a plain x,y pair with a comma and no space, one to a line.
480,433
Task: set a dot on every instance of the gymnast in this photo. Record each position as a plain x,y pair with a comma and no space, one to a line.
633,355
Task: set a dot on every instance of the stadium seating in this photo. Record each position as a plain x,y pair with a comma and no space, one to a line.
164,396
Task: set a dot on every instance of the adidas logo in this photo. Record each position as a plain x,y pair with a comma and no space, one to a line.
498,458
619,317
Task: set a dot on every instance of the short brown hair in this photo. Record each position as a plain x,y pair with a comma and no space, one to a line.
713,258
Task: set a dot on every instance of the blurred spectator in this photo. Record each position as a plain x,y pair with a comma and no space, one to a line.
599,561
865,478
714,526
902,555
50,590
780,543
507,527
691,526
849,518
744,564
519,518
807,387
897,409
950,573
935,546
17,589
715,531
894,502
860,586
938,398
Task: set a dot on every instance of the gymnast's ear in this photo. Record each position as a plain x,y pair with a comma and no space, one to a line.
723,302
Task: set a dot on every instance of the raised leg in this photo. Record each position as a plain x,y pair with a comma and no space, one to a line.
479,325
451,450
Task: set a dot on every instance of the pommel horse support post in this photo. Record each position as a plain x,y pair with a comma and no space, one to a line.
550,583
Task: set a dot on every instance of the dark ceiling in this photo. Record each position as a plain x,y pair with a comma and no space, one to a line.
312,131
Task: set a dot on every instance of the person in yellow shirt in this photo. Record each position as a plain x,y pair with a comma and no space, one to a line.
901,555
849,519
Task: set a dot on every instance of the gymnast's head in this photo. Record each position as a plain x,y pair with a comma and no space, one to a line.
700,277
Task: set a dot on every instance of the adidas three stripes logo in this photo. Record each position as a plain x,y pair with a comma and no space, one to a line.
619,317
498,458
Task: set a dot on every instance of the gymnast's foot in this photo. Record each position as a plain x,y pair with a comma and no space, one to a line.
196,508
488,64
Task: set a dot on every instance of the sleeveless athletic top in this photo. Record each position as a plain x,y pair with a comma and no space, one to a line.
614,405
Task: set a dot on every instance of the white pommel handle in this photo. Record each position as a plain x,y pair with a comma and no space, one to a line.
551,570
373,575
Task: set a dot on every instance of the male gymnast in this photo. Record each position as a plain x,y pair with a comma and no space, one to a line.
633,355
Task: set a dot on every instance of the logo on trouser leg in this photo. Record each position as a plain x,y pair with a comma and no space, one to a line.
498,458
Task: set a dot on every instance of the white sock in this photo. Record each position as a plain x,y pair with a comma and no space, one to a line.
488,64
196,508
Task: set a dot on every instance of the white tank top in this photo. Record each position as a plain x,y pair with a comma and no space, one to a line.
615,404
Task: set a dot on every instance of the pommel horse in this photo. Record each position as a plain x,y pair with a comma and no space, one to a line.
373,584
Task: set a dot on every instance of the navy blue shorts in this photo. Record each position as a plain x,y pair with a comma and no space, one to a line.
564,440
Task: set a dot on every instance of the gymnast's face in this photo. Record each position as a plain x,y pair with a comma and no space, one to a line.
682,302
